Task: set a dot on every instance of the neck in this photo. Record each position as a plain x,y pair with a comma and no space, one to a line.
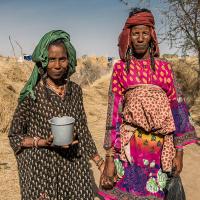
145,55
56,83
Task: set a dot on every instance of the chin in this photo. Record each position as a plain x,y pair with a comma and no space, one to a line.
56,78
140,51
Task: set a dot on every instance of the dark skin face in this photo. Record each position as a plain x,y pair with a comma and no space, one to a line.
140,38
58,63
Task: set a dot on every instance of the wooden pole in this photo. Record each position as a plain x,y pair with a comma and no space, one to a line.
20,48
12,46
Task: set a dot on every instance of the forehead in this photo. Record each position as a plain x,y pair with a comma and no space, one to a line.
140,28
57,49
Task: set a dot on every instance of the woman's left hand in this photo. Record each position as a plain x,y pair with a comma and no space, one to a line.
178,163
74,142
69,145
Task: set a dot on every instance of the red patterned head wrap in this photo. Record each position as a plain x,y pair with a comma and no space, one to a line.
141,18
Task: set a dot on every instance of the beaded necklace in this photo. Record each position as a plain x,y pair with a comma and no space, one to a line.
59,90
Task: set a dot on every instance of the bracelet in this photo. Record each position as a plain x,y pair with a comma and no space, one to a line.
109,156
35,141
100,164
98,161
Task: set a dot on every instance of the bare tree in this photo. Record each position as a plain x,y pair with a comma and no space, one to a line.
136,3
182,27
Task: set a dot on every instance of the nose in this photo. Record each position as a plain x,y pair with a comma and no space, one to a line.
57,64
140,38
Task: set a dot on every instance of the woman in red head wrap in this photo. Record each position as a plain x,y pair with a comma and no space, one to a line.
147,121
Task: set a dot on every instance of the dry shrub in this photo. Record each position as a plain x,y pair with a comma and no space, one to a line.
90,72
12,79
90,69
7,106
186,74
195,111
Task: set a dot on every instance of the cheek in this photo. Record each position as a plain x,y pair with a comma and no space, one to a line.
65,65
50,65
148,38
133,40
49,71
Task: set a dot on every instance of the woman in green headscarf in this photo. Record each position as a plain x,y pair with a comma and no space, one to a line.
46,171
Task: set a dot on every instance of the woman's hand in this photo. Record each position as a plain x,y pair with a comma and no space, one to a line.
178,163
108,177
69,145
98,160
49,142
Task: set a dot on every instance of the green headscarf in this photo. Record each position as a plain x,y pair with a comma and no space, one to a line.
40,55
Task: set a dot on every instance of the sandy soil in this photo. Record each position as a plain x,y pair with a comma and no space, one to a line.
95,100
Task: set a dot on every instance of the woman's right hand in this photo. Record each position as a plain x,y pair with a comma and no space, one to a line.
32,142
108,175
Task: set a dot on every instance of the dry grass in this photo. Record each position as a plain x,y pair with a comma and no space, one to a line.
13,76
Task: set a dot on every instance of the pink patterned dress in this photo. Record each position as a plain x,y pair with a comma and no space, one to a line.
143,177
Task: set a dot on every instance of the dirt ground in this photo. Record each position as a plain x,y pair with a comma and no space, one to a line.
95,100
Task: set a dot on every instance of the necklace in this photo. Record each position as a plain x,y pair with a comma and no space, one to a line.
59,90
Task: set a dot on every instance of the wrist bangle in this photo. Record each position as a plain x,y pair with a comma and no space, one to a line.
100,164
35,141
98,161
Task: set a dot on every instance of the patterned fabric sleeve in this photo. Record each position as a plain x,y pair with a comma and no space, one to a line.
18,128
114,120
85,137
185,132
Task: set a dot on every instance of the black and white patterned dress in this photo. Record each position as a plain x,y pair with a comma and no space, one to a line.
50,173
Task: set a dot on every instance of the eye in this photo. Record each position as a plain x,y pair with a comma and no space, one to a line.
51,59
146,33
63,59
135,33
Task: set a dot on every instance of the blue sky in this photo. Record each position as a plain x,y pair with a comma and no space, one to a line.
94,25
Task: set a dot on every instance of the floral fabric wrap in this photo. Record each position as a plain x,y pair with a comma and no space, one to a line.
147,107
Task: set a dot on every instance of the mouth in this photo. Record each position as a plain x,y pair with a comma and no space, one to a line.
139,47
57,75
